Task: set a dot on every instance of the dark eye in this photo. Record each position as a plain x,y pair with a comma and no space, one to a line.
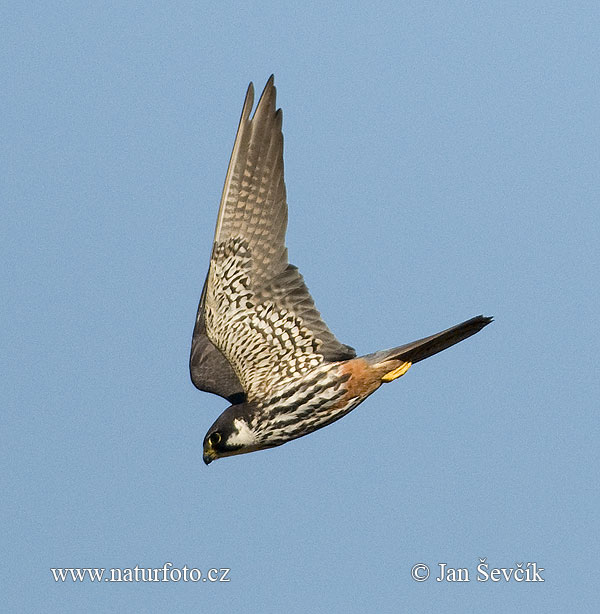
214,438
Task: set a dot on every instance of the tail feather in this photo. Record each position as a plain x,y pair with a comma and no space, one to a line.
424,348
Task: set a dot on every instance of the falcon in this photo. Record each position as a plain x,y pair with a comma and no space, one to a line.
259,341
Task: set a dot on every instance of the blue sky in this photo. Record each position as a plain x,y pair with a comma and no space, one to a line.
441,161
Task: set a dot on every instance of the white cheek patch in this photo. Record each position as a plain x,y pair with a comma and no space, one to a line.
244,435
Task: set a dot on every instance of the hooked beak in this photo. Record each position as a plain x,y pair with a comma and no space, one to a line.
209,455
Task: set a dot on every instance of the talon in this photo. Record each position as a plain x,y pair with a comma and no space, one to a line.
396,373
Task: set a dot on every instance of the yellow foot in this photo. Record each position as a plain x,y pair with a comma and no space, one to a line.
396,373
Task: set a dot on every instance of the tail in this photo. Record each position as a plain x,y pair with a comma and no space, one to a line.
424,348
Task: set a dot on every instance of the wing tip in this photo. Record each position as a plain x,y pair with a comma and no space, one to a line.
248,102
267,98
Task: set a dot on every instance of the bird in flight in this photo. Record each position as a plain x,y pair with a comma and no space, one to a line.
259,340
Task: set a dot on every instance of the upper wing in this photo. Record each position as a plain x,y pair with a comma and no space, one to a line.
256,310
209,369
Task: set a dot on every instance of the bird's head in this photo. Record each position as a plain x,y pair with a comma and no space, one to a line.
231,434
